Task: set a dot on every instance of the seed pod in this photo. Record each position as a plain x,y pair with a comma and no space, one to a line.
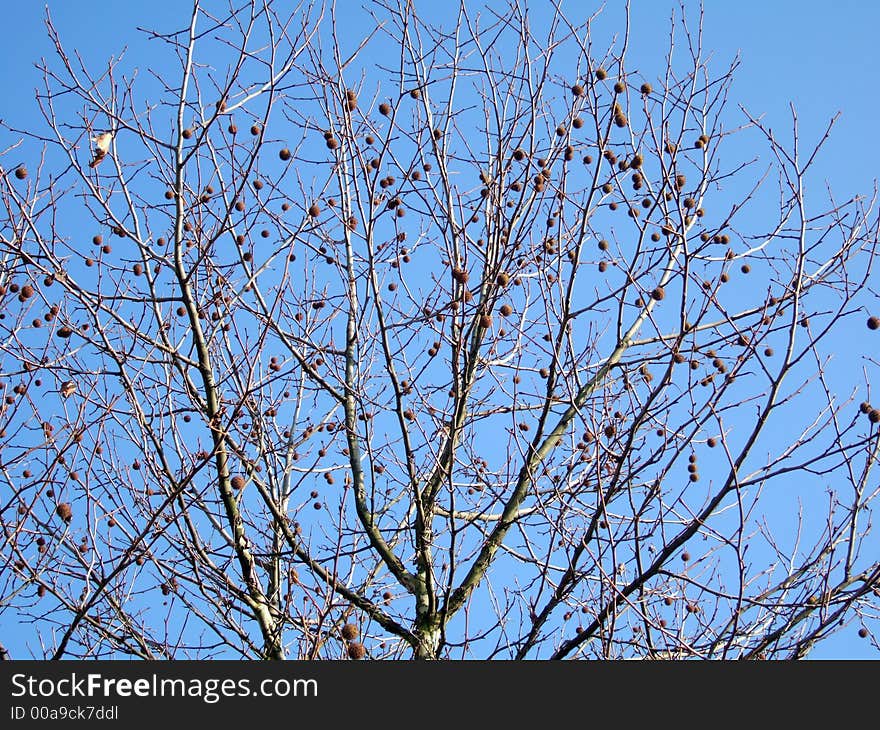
460,275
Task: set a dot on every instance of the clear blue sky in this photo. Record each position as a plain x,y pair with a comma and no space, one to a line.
822,57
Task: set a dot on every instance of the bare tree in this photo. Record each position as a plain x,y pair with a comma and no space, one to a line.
459,341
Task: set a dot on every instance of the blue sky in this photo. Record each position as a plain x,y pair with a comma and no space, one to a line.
821,57
822,60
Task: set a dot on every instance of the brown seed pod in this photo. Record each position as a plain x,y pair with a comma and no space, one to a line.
284,154
601,74
186,133
646,88
505,310
577,90
384,109
415,93
658,294
314,210
460,275
350,632
619,87
21,172
356,650
237,482
873,323
64,511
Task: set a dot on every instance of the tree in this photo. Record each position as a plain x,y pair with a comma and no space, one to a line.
483,352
